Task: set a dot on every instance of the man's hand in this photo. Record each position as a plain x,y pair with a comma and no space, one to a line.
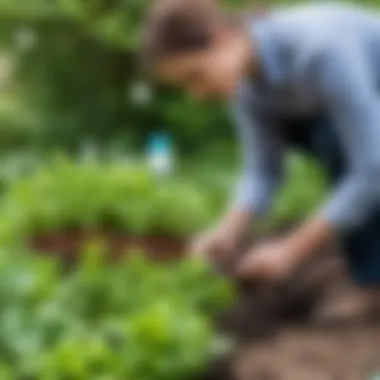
216,244
221,242
269,262
275,260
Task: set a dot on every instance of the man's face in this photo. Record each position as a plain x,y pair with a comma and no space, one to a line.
208,74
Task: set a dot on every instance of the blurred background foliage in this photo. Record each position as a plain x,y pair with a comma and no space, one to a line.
70,72
70,79
75,75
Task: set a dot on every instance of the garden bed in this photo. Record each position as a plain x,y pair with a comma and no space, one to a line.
276,339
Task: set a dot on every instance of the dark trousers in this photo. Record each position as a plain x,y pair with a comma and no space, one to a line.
361,248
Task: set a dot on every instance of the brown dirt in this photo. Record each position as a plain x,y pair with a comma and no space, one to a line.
277,339
297,353
67,246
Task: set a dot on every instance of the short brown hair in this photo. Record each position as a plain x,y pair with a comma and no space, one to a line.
178,26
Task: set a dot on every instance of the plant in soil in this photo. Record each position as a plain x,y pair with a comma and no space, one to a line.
133,320
65,196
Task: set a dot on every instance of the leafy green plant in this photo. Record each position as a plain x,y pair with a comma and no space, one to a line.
112,195
133,320
66,195
304,188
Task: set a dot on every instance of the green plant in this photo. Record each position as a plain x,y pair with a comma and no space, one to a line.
133,320
67,195
304,188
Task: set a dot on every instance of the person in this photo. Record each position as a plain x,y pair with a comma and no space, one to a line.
305,76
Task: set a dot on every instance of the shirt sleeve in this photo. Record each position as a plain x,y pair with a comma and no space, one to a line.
262,155
348,87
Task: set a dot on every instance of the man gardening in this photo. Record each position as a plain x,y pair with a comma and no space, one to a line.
305,77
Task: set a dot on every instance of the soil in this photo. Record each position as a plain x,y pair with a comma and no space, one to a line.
297,353
273,325
67,245
278,340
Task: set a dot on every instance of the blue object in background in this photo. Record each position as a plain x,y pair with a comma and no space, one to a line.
159,143
160,153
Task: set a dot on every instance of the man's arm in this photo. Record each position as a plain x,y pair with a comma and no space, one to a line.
345,80
263,163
